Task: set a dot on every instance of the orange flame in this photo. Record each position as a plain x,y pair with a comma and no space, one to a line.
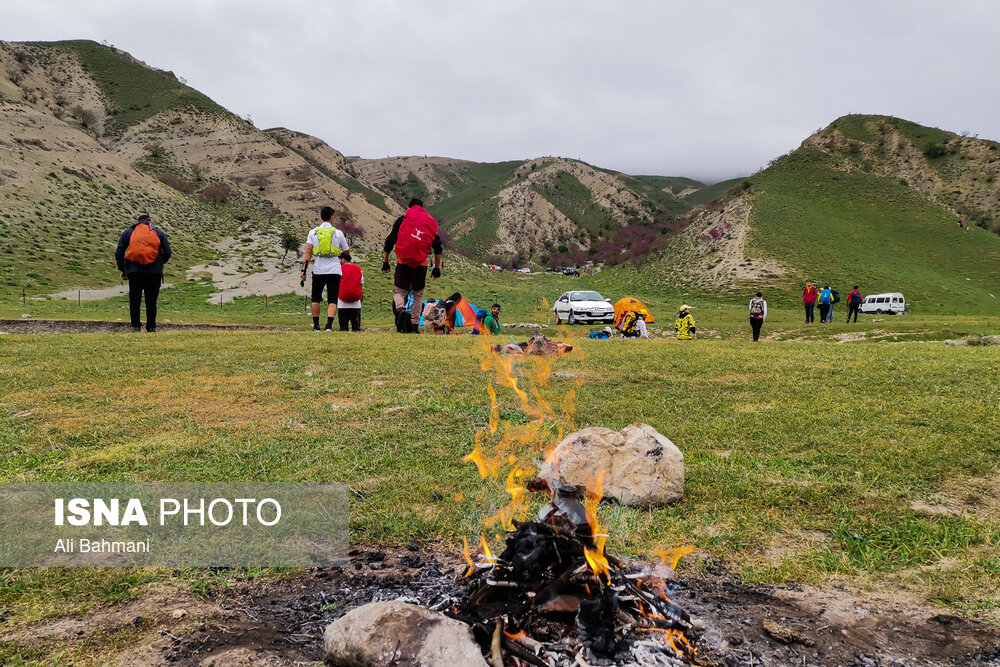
596,560
673,556
513,449
487,554
486,468
465,552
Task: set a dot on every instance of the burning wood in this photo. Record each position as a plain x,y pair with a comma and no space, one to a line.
538,344
554,591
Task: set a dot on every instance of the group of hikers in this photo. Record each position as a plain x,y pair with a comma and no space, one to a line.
827,298
143,250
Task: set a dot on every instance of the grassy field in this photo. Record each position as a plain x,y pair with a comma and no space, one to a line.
883,472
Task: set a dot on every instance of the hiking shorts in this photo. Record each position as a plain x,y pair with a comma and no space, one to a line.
331,281
410,278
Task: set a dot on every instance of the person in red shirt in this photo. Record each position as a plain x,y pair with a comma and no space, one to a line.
854,300
809,296
349,299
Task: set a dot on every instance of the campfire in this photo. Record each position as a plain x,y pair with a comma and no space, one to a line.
552,596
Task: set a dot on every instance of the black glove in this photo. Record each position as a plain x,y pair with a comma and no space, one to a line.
436,273
385,267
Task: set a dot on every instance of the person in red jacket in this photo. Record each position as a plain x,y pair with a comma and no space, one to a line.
854,300
349,299
809,296
413,236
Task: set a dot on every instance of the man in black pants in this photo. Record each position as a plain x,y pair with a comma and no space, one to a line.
325,244
413,236
141,253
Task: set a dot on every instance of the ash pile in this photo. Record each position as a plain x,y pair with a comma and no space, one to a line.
554,598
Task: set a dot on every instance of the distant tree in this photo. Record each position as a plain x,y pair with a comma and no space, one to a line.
289,243
198,170
155,150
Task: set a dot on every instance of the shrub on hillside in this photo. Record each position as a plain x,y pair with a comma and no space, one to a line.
217,194
177,183
351,229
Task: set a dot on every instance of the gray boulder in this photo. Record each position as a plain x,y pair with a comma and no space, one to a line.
397,633
642,467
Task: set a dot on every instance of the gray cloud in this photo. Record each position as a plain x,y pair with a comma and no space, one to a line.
709,90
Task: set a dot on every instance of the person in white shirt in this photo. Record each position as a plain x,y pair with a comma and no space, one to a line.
758,313
325,243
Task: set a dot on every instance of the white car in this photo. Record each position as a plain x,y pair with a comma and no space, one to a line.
583,306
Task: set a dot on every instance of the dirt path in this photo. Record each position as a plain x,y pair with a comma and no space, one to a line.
32,326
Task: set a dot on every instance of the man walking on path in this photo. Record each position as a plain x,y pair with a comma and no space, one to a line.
326,243
413,236
141,253
684,324
854,300
758,313
349,300
809,296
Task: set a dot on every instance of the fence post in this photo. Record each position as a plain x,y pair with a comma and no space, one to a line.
265,302
24,296
78,298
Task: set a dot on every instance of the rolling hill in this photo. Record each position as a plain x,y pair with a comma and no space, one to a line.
90,136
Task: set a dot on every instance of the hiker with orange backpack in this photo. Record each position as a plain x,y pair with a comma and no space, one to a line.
413,236
141,253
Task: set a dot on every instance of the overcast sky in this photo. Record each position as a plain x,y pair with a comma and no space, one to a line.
709,90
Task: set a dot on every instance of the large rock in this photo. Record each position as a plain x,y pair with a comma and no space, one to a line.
396,633
641,467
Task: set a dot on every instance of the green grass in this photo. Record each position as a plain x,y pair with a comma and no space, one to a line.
878,428
134,91
84,220
847,228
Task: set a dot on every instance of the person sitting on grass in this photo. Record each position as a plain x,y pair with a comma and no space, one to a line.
684,324
491,322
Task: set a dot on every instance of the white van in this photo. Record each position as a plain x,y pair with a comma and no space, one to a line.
890,302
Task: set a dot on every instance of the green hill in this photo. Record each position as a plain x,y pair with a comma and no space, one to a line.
712,192
847,228
134,92
872,201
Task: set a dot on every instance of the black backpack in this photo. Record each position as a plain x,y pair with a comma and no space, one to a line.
836,297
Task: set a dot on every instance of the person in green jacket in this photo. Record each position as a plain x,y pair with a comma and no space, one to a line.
492,321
